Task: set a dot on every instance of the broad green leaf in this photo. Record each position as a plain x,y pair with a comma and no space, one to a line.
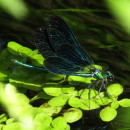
37,59
115,104
68,89
74,102
42,127
42,119
3,118
74,93
72,115
108,114
6,66
59,123
52,89
1,126
59,101
88,104
13,126
115,89
10,120
18,49
102,101
87,93
41,95
4,75
27,78
50,110
125,102
36,110
77,79
98,67
54,77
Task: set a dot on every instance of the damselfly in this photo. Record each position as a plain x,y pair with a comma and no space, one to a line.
63,54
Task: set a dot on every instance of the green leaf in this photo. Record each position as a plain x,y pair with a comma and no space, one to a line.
3,118
98,67
115,89
27,78
4,75
59,123
6,66
1,126
115,104
125,102
54,77
77,79
59,101
68,89
37,59
88,104
41,95
52,89
10,120
74,102
13,126
108,114
42,119
36,110
102,101
88,93
72,115
50,110
18,49
41,127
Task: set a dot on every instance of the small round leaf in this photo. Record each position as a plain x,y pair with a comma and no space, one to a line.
108,114
115,89
42,119
115,104
88,105
88,93
59,123
52,89
59,101
72,115
74,102
125,102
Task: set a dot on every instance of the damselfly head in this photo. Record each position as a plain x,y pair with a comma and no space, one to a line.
110,76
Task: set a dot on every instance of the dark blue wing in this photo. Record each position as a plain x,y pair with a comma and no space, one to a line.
71,53
42,43
59,46
59,65
59,33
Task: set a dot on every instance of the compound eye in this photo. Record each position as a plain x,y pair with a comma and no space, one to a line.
111,78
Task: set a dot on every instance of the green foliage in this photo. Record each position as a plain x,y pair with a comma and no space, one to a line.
72,114
3,118
108,114
125,102
115,89
60,123
64,99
